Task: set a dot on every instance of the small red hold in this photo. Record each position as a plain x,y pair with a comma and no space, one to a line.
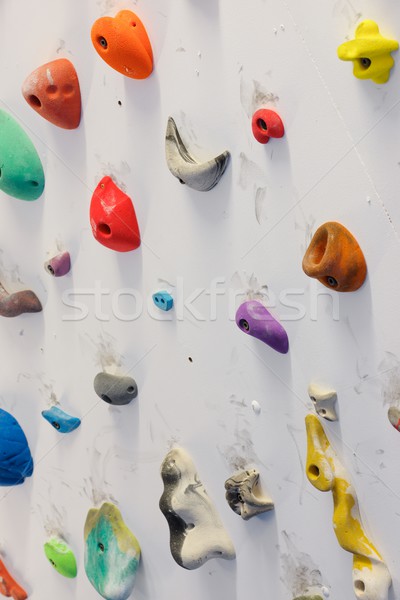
113,218
266,124
53,91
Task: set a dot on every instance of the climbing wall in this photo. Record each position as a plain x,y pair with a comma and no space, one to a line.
229,400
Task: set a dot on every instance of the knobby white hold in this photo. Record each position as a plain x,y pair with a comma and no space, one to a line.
196,531
201,176
324,401
244,496
371,577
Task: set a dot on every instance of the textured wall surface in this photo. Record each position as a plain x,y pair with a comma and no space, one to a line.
216,61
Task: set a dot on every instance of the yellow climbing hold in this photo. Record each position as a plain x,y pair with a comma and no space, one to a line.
371,578
370,53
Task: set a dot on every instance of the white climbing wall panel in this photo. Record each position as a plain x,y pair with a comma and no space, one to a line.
216,62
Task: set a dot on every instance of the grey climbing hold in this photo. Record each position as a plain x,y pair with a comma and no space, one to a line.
243,494
196,531
115,389
201,176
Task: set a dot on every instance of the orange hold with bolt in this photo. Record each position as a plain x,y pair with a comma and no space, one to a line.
123,43
335,258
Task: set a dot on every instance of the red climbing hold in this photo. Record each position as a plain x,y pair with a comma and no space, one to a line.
266,124
113,217
53,91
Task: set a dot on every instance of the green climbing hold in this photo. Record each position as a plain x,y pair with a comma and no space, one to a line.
61,557
21,172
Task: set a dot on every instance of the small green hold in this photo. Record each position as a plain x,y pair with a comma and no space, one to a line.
61,557
21,172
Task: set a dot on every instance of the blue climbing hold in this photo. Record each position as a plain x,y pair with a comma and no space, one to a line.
163,300
15,457
60,420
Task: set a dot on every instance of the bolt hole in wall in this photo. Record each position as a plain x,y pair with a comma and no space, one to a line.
118,451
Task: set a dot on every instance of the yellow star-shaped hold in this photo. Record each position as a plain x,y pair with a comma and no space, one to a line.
370,53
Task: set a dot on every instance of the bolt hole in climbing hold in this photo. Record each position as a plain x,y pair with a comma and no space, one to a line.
266,124
56,425
103,42
100,547
331,281
365,62
322,411
34,183
34,100
262,124
244,324
162,300
134,24
130,389
104,228
50,269
359,585
313,471
106,398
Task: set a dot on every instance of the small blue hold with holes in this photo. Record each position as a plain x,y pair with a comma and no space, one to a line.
60,420
163,300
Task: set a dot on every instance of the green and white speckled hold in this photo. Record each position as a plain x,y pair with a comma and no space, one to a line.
61,557
112,553
21,172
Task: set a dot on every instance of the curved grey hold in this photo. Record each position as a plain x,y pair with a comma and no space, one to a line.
196,531
199,176
324,401
243,494
115,389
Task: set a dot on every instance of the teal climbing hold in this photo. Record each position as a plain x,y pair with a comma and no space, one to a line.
163,300
21,172
112,553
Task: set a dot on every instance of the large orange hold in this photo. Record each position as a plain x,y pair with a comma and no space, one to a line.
335,258
53,91
123,43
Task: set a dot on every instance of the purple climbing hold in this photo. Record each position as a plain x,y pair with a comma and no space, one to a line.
254,319
59,265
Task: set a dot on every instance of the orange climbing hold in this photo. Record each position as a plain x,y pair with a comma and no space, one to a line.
9,587
53,91
123,43
335,258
